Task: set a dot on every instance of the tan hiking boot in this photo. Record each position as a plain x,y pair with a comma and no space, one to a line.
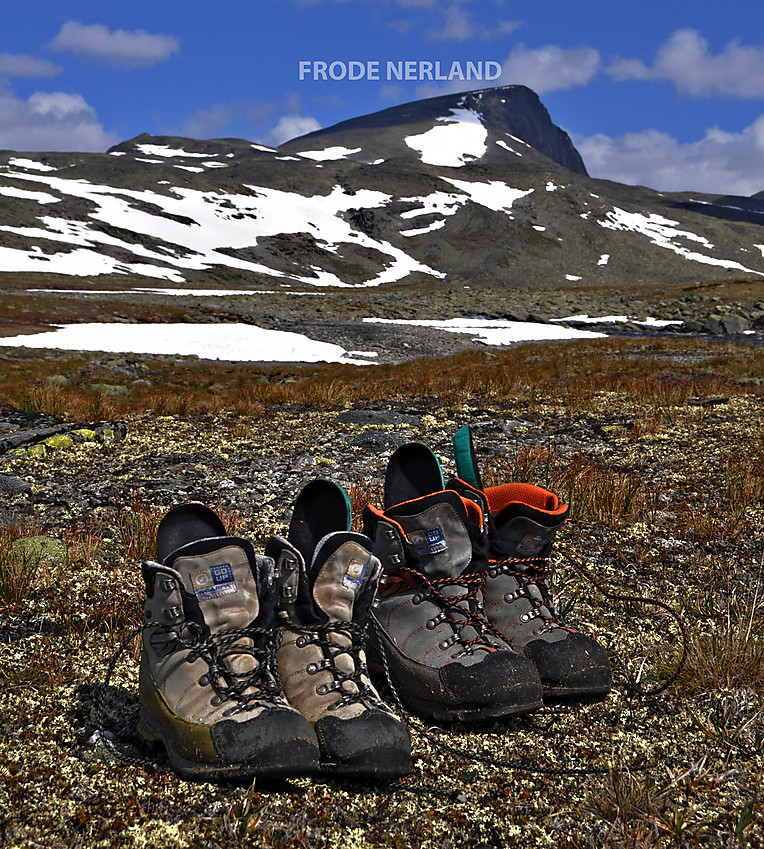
327,578
208,684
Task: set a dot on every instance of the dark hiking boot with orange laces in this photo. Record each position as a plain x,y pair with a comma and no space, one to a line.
429,635
208,682
522,522
327,578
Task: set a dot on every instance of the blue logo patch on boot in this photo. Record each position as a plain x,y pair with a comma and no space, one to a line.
214,581
429,542
353,577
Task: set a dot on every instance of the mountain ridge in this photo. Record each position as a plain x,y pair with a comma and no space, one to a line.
443,191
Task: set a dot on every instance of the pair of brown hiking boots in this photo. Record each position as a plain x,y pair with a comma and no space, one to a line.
254,666
465,626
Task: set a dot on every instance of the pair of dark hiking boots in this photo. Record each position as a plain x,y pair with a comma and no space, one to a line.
254,666
465,626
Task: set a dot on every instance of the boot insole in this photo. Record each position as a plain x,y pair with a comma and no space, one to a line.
184,524
412,472
321,508
466,461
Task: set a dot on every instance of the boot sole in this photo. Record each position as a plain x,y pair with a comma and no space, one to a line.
574,695
379,764
290,759
441,712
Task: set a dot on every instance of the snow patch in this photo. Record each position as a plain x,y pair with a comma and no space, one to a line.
164,150
329,153
235,342
497,332
604,259
196,226
30,164
40,197
436,225
503,144
661,231
494,194
458,140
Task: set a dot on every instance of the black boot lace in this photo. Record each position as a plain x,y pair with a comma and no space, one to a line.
251,650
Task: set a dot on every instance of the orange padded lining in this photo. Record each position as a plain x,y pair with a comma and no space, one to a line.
500,497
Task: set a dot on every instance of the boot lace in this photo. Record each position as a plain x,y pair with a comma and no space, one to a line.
325,637
459,611
252,650
226,649
529,573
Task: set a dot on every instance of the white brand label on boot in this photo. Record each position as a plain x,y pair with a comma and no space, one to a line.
214,581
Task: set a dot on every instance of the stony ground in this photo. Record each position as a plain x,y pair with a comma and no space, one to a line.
657,446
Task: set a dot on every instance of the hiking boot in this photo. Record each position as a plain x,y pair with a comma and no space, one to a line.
429,636
208,682
327,578
523,521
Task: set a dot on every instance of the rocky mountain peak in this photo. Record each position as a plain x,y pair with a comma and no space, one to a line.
501,116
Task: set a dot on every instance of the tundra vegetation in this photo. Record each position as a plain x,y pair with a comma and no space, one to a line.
657,444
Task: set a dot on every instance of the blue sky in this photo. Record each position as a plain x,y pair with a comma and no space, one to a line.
666,94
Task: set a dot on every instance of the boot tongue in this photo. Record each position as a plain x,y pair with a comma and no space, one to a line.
342,569
220,574
521,532
436,528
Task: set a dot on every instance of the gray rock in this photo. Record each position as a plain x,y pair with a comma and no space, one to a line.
11,485
113,390
379,441
378,417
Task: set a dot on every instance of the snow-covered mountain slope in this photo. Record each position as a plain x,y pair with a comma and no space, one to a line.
476,189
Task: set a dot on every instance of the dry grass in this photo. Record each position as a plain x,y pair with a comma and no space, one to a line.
667,500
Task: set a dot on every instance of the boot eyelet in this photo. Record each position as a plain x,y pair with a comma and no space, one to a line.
191,657
321,689
510,596
493,573
204,681
417,599
215,700
311,669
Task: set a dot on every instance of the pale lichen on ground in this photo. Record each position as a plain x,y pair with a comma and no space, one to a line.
681,768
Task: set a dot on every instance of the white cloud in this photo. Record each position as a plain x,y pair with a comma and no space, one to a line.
119,48
549,68
51,121
457,24
20,65
289,127
719,163
685,60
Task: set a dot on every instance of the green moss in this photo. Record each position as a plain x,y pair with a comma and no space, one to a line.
58,441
